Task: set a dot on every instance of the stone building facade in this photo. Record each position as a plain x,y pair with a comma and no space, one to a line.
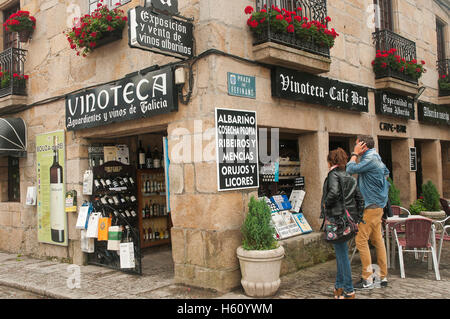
206,223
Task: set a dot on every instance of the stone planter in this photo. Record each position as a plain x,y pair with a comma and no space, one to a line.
440,215
260,270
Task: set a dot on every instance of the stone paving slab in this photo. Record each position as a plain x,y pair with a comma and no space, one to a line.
49,278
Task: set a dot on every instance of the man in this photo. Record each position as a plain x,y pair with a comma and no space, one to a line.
374,187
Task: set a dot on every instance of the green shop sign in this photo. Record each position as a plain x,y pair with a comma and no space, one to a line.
241,85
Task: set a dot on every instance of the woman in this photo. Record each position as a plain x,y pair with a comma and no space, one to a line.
332,206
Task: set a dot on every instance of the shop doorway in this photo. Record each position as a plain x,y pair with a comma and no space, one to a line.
145,159
343,142
419,172
385,151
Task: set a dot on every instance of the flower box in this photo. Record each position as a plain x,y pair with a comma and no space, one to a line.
109,37
288,38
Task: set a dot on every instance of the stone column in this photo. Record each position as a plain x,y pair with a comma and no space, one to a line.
432,163
404,179
206,223
313,149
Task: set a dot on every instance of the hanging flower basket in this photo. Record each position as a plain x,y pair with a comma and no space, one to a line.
22,23
101,27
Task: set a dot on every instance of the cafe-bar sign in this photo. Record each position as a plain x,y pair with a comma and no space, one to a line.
160,33
298,86
433,113
130,98
390,104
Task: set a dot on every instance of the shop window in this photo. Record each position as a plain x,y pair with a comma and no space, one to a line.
110,3
383,11
13,180
440,31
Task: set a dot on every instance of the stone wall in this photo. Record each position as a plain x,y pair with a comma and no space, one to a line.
206,223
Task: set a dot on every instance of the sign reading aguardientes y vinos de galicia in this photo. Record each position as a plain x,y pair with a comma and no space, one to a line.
298,86
160,33
126,99
236,149
387,103
433,113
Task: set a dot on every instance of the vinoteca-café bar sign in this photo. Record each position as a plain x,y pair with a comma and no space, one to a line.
298,86
126,99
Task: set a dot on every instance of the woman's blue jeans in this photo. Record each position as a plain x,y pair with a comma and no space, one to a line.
344,271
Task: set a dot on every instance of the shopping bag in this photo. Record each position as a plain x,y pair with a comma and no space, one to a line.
83,216
114,238
103,226
127,255
92,230
87,244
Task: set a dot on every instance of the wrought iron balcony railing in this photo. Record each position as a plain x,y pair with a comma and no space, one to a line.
384,41
444,83
12,80
312,9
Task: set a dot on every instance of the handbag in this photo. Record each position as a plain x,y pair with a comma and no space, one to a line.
114,238
87,244
387,210
83,216
339,228
103,226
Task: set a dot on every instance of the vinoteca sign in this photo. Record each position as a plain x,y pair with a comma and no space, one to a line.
160,33
237,149
298,86
390,104
127,99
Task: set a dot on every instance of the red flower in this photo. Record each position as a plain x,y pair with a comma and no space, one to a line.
402,68
443,76
254,23
298,18
124,19
414,61
279,17
418,70
25,77
327,19
15,75
93,34
299,9
92,44
384,65
248,9
288,20
262,20
373,62
110,28
263,10
290,28
109,18
423,62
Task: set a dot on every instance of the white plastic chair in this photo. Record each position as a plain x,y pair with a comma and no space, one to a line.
419,234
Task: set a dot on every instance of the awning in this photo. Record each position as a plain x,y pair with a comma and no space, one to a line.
13,137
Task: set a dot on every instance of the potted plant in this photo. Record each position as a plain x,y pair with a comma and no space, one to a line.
394,193
101,27
444,84
22,23
431,202
290,23
390,61
260,254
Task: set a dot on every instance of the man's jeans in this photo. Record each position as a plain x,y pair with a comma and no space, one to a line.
371,230
344,271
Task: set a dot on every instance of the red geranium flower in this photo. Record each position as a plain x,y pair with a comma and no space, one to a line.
290,28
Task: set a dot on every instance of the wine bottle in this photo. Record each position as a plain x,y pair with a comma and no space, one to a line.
147,185
102,181
144,216
57,198
148,158
144,234
141,153
97,185
156,159
150,233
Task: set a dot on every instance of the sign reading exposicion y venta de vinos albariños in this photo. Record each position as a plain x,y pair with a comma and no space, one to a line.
298,86
237,149
126,99
160,33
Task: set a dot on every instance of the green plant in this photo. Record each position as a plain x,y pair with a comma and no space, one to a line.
394,193
5,79
431,197
390,60
257,231
444,82
417,207
19,21
94,27
291,22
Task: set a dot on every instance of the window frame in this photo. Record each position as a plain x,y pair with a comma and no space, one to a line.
384,15
13,167
92,4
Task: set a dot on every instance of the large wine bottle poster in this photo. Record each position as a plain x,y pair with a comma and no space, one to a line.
50,162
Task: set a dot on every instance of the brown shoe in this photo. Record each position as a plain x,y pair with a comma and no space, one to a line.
350,295
338,292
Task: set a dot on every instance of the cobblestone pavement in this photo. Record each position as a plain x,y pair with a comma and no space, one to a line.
24,277
12,293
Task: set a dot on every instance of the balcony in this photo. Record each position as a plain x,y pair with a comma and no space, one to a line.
444,82
286,49
392,80
12,83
